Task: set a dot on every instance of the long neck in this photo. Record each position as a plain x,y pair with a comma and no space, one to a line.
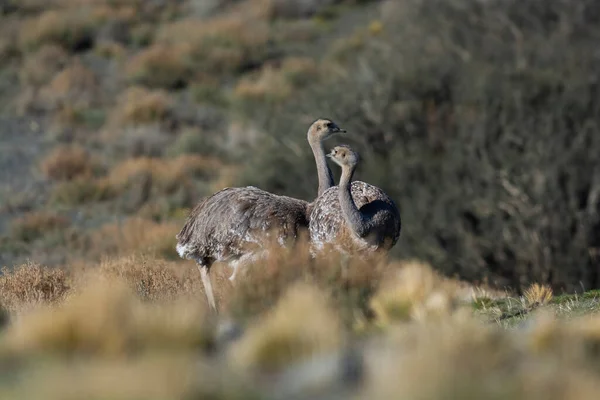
351,213
323,171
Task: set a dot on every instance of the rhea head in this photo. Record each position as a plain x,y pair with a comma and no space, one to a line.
344,156
323,129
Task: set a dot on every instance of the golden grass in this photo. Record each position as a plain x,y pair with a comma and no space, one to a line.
414,291
155,279
133,236
34,225
137,105
538,295
91,331
31,285
165,174
301,325
160,66
67,163
104,318
278,83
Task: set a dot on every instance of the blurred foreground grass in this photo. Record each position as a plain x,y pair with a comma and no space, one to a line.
138,327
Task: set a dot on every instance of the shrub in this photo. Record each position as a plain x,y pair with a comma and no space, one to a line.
81,190
222,45
276,84
72,29
76,87
30,285
34,225
160,66
40,67
66,163
139,106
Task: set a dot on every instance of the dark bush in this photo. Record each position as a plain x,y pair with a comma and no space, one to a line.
481,118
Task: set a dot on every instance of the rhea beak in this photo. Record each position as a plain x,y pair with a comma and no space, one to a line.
328,155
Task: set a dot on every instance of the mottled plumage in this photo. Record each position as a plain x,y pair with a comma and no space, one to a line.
328,227
353,217
236,221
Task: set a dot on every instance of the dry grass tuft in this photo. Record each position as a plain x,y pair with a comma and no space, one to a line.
278,83
160,66
220,45
66,163
301,325
414,291
34,225
71,28
165,175
348,282
31,285
104,318
154,279
538,295
133,236
76,87
40,67
138,106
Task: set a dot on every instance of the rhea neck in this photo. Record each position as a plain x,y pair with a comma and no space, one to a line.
323,171
351,213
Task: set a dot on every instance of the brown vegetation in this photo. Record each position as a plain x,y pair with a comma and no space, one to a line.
479,121
31,285
66,163
34,225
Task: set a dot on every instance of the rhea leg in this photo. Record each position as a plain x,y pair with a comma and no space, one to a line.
207,286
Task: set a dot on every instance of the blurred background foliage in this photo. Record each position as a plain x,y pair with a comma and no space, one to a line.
480,118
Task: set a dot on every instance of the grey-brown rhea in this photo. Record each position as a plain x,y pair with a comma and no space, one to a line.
236,224
353,217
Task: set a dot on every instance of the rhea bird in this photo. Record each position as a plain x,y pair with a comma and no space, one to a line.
354,217
236,224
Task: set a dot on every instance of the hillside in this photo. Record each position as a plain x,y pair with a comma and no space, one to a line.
479,118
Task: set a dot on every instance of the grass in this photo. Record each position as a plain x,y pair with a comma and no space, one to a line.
124,319
152,105
67,163
36,224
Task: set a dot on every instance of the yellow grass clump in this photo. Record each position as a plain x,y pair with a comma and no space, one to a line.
538,295
414,291
134,235
137,106
301,325
277,83
154,279
31,285
219,45
104,318
66,163
160,66
165,175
